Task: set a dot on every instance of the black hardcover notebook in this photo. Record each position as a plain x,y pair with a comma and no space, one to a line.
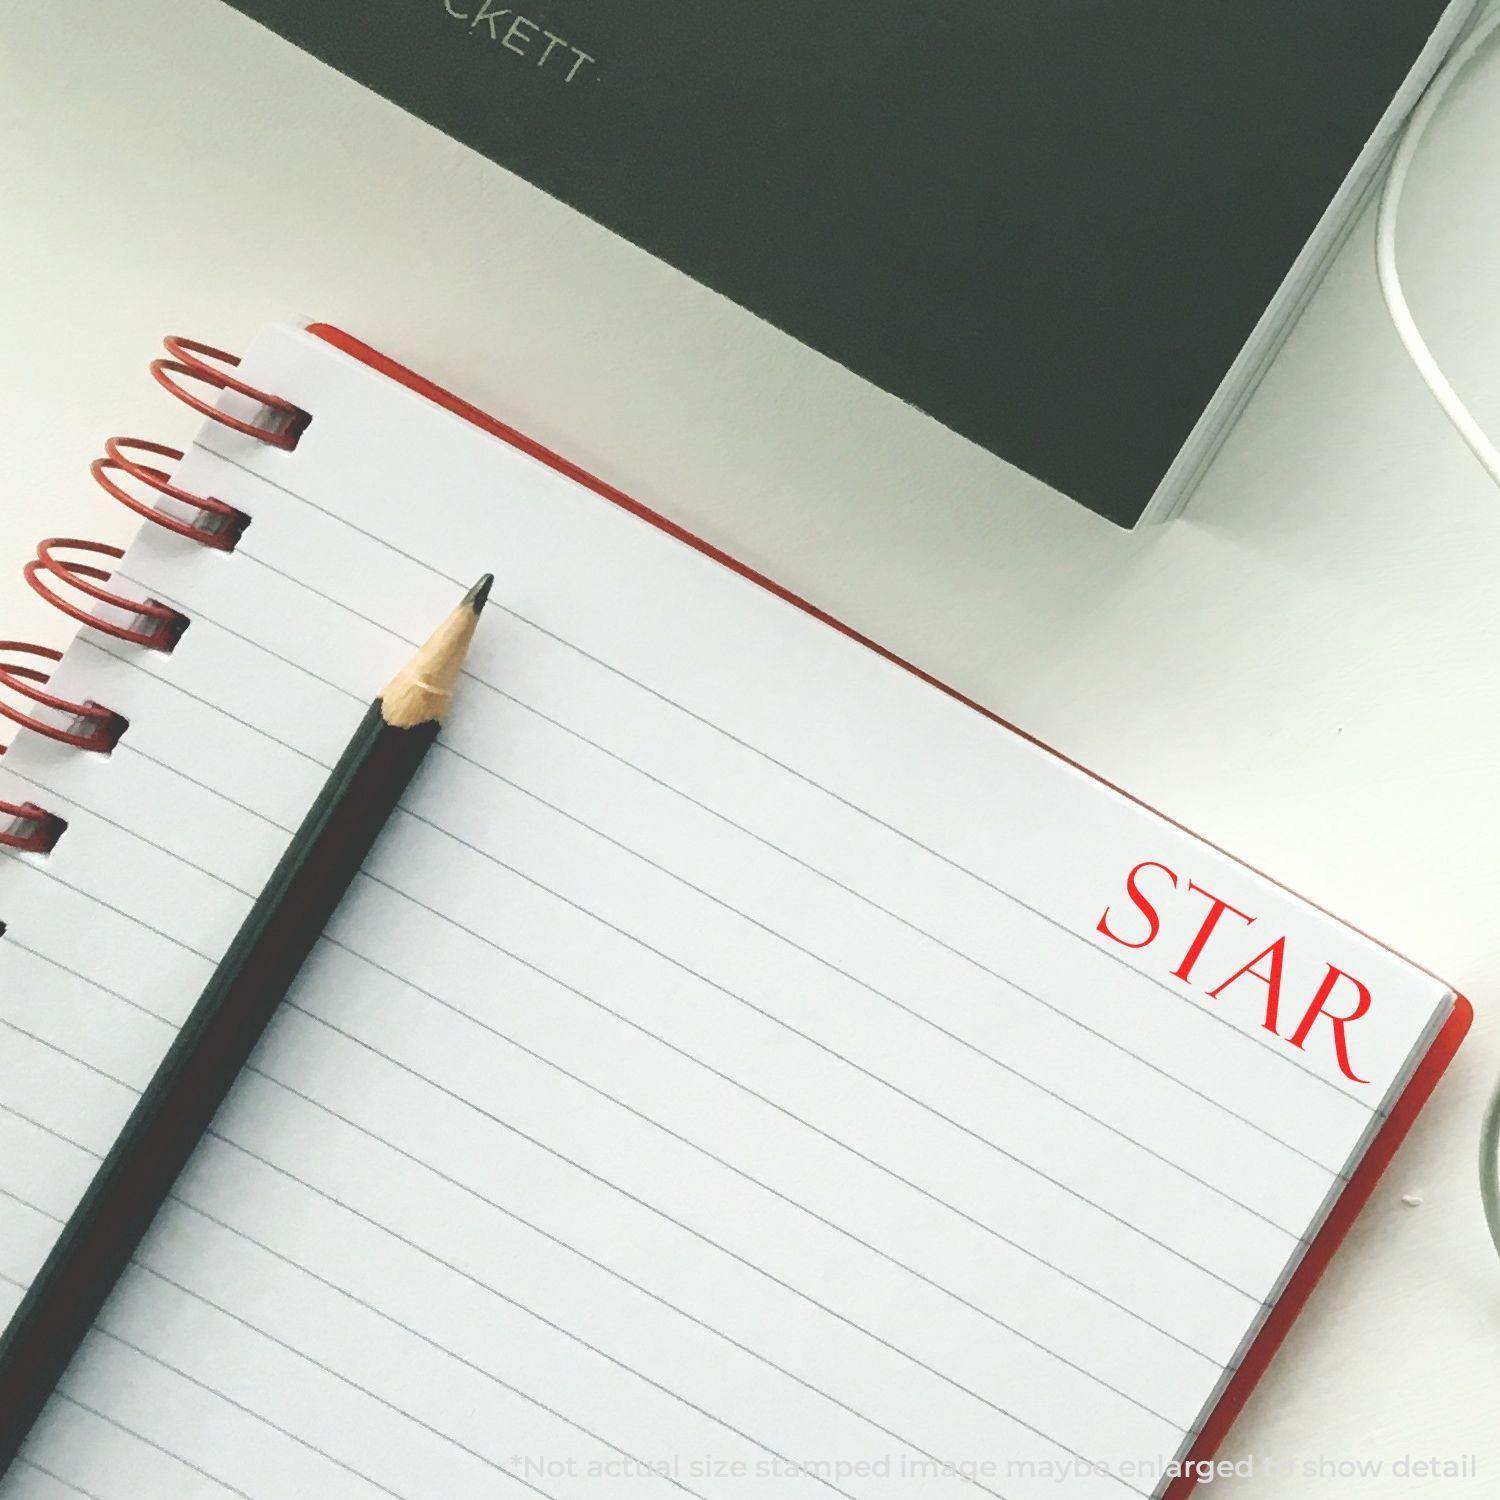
1059,227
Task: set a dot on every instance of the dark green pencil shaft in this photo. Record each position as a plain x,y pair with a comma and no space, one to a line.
179,1102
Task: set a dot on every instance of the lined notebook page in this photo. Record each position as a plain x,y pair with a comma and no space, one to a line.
722,1080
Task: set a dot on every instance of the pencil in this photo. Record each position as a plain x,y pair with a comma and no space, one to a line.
257,970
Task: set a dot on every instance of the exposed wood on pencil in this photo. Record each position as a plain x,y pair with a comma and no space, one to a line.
422,690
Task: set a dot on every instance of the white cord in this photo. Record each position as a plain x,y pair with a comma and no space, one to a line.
1385,255
1468,429
1489,1177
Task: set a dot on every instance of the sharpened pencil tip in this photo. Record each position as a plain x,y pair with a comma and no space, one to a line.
421,692
479,595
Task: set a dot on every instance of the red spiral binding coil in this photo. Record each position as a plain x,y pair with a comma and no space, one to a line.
71,585
164,626
194,361
23,825
91,725
212,522
29,828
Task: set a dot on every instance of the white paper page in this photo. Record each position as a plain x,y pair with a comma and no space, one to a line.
723,1079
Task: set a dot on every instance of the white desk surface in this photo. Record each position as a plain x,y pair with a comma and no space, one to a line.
1305,668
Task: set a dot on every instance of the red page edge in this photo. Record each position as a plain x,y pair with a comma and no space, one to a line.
1365,1177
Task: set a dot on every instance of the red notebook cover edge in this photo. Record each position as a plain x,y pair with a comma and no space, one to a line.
1320,1252
1377,1158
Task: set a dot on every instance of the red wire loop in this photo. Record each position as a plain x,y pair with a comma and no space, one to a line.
29,828
216,525
70,584
92,726
167,624
191,360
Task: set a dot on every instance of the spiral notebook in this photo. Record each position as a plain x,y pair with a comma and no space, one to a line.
744,1068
